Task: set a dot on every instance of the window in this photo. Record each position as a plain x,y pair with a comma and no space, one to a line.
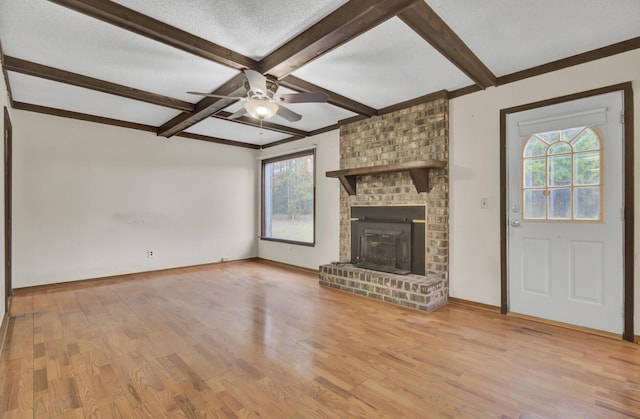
562,175
288,198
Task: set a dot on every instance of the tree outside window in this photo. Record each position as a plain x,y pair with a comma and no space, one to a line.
288,198
562,175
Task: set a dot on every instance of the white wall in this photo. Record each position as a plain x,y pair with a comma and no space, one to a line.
475,168
89,201
4,101
327,206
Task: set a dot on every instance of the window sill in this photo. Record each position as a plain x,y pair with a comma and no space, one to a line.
297,243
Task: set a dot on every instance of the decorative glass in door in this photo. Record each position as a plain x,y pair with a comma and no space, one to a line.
562,176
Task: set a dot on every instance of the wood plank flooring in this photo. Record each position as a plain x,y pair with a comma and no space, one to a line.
251,339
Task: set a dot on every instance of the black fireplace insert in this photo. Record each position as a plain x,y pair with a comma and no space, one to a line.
389,238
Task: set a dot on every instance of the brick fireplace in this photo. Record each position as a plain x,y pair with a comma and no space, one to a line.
402,140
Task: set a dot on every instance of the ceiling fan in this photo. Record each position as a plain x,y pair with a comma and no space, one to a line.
261,102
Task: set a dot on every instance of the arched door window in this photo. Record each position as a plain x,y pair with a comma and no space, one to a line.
562,176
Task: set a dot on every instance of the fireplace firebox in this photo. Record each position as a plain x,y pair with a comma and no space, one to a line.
389,238
384,246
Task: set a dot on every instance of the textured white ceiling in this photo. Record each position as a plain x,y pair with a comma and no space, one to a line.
251,27
510,36
45,33
220,128
387,65
43,92
314,116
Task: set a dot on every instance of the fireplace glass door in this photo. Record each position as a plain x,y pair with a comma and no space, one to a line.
385,246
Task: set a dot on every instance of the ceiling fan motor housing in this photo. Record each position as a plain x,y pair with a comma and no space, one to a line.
272,86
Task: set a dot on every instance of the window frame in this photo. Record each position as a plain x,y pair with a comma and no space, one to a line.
572,186
264,163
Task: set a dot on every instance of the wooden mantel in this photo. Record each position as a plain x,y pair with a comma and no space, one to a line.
418,170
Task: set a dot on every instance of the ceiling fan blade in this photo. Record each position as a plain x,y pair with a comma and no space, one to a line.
288,114
257,81
240,112
319,97
213,95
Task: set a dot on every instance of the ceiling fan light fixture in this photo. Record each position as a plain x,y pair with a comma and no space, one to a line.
261,109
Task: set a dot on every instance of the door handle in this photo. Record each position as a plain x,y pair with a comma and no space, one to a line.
515,223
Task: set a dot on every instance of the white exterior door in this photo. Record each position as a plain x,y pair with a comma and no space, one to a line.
565,201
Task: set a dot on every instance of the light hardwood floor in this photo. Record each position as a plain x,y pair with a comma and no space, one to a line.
256,340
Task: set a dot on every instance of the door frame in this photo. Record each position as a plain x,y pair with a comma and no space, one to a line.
628,195
8,163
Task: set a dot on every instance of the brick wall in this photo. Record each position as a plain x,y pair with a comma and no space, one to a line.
417,133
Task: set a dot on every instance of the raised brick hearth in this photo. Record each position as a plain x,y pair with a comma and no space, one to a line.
424,293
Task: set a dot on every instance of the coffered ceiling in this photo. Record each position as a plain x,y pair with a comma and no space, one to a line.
132,62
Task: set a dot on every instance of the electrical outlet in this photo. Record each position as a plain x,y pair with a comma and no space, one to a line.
290,249
484,203
151,253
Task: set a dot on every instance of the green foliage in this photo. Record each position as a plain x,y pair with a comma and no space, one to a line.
552,167
588,140
535,173
292,186
568,134
587,168
550,137
560,170
559,148
535,147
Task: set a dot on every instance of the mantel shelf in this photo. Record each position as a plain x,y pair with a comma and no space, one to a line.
418,170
